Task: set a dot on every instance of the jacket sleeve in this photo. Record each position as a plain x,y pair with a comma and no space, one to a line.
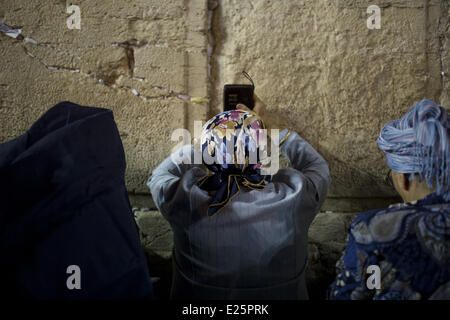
173,178
309,171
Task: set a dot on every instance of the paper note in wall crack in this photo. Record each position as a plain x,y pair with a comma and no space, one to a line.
9,31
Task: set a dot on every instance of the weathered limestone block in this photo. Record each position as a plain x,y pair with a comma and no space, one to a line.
327,240
157,242
444,36
339,81
160,65
156,234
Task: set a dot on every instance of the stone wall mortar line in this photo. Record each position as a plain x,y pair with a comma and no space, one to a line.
443,20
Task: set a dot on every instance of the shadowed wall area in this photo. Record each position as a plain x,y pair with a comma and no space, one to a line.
160,65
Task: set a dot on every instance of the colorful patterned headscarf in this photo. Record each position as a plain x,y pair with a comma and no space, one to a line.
418,143
242,133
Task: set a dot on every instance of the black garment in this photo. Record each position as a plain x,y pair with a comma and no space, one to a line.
63,202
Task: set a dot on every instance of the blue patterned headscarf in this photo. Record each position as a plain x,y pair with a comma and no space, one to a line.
242,133
418,143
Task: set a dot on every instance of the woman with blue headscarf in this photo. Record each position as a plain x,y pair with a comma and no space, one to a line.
403,252
240,231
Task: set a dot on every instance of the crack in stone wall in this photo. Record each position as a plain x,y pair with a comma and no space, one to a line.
108,82
160,65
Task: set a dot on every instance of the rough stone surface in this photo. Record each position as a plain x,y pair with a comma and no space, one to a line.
326,241
135,58
160,65
157,241
315,61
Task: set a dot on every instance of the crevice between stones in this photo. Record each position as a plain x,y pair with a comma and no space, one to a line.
443,22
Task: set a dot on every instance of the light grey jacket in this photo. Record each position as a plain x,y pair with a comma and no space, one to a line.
256,247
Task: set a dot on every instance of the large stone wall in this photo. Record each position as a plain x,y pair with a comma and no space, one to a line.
161,64
326,241
157,48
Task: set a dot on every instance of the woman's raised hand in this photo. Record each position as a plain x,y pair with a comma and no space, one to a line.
259,109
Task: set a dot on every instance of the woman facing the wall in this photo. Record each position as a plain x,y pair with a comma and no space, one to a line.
238,232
